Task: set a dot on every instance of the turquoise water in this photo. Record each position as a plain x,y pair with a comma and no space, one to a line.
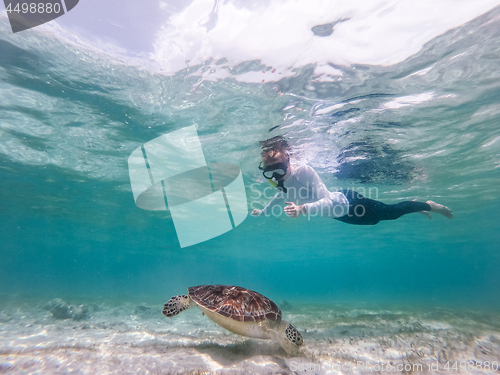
424,128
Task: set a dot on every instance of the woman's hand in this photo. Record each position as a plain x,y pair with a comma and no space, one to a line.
293,210
256,212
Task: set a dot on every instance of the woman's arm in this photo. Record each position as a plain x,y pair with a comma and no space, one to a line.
324,205
277,200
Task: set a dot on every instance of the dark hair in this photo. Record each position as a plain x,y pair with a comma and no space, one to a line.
274,149
275,145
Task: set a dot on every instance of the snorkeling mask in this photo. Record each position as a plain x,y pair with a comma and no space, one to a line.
275,172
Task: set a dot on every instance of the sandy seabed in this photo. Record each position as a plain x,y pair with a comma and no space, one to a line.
120,338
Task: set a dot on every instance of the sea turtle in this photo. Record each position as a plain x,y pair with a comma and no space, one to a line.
240,311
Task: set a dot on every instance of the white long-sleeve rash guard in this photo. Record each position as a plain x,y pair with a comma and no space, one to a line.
304,186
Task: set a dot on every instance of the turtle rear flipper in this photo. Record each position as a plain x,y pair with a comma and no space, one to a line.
177,304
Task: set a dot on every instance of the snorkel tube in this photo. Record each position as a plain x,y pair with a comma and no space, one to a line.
278,185
273,184
277,172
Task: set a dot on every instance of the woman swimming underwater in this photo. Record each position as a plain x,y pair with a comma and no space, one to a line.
304,192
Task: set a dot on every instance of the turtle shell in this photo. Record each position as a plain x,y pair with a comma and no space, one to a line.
235,302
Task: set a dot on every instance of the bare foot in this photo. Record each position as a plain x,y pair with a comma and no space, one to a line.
440,209
425,213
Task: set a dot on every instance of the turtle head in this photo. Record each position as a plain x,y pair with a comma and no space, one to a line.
177,304
289,338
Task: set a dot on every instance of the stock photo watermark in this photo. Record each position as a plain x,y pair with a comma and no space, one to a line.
205,200
366,367
303,193
26,14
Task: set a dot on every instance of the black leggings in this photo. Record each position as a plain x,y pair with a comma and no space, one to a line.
365,211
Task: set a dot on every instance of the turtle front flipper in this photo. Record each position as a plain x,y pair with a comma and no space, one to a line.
177,304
